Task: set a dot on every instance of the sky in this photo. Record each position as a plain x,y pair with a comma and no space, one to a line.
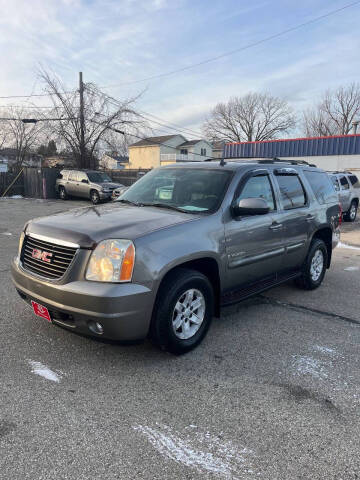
118,42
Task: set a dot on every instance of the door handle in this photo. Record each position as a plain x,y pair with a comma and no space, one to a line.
309,218
275,226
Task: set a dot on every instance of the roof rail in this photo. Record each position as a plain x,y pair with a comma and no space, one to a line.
281,160
339,171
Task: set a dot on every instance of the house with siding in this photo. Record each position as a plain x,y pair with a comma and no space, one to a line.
167,149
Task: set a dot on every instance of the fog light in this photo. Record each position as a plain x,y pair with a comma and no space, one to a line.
99,328
96,327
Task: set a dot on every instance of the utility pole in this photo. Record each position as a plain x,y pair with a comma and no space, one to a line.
83,159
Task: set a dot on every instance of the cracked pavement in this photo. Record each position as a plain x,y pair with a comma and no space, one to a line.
273,392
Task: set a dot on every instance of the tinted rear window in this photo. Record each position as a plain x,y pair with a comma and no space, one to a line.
292,191
322,187
344,183
354,181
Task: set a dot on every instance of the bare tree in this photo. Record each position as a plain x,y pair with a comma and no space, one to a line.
101,114
335,112
22,137
252,117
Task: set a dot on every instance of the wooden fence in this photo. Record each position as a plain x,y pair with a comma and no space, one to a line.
6,179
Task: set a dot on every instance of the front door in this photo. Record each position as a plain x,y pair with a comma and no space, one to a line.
345,193
254,243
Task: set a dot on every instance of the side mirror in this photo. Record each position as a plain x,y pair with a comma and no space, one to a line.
84,180
251,206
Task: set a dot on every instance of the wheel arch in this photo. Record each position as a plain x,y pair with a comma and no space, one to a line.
325,234
206,265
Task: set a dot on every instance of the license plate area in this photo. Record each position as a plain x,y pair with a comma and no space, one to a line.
41,311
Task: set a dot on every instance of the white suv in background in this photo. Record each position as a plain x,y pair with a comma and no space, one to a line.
348,187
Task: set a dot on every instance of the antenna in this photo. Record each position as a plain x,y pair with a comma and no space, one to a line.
222,162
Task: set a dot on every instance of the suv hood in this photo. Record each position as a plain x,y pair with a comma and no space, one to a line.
109,185
87,226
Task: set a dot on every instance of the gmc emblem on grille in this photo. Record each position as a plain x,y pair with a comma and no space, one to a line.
41,255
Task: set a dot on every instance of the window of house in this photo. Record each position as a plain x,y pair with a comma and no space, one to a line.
184,151
292,191
259,187
321,186
203,152
344,183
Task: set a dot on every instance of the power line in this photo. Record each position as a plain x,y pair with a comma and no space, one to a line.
37,95
237,50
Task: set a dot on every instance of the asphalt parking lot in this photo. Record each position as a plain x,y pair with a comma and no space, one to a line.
272,393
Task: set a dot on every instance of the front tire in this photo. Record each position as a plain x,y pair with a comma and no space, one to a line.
95,197
314,268
350,215
183,311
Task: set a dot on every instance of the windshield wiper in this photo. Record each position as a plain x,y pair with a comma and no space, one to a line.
125,200
165,205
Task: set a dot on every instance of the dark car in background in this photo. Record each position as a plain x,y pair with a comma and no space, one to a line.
347,186
90,184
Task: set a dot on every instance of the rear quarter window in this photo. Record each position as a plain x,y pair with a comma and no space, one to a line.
292,191
354,181
321,186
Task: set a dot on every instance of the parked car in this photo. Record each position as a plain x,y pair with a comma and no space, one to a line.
180,243
118,191
348,187
90,184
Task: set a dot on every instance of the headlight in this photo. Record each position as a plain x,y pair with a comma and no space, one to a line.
21,241
112,261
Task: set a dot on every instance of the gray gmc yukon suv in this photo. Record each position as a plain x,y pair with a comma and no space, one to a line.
176,246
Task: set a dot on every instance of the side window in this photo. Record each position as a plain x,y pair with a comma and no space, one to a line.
73,176
321,186
292,191
81,176
354,181
203,151
335,182
344,183
259,187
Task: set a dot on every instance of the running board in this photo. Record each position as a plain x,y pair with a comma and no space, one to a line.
237,295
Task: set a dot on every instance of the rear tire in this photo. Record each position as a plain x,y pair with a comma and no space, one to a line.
94,197
350,215
62,193
314,267
183,311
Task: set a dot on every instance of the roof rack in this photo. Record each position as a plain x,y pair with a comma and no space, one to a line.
339,171
281,160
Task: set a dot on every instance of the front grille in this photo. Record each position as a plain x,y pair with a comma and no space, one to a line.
60,257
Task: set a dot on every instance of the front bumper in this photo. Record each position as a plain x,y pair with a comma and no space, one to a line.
105,195
124,310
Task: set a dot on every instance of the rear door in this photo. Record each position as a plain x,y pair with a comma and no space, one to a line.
345,193
83,186
72,182
295,217
254,243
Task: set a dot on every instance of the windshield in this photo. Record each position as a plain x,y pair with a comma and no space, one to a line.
98,177
187,189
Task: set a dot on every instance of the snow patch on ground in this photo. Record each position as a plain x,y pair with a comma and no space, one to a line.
202,451
345,245
39,369
326,350
351,269
8,234
306,365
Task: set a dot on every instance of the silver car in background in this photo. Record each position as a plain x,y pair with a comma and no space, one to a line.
90,184
347,186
